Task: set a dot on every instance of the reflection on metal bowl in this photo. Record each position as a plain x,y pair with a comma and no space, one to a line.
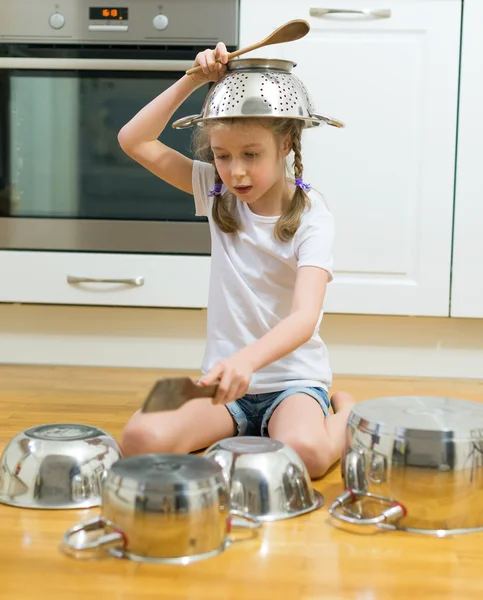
267,478
56,466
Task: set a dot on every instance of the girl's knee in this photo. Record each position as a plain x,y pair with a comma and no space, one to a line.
316,458
141,436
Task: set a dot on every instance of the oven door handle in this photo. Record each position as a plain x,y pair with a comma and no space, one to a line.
93,64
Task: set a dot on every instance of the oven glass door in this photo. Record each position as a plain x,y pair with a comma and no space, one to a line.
60,157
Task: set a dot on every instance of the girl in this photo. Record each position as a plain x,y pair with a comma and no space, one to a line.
271,262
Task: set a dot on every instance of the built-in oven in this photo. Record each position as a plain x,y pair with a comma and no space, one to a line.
72,73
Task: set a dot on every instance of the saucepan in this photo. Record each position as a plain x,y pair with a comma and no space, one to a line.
413,464
56,466
162,508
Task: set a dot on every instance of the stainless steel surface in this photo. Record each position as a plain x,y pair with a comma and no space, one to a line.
377,13
92,64
258,87
186,22
386,518
83,193
422,453
105,236
267,478
136,281
171,394
161,508
108,28
56,466
79,541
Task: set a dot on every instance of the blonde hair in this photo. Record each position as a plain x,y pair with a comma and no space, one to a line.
223,206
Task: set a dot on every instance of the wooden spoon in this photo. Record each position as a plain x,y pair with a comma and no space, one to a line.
170,394
289,32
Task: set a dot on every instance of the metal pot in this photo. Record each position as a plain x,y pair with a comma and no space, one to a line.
267,478
166,508
413,464
258,87
56,466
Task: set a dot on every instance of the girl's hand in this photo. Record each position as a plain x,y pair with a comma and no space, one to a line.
209,61
233,376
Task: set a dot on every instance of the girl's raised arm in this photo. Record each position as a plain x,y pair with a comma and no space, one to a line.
139,137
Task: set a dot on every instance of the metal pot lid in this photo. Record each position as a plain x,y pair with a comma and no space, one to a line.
164,471
398,414
274,64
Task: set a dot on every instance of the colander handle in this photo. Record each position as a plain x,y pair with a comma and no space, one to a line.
328,120
186,122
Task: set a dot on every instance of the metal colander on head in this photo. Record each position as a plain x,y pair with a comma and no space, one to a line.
257,87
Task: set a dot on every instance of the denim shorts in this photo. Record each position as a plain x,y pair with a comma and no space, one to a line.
253,411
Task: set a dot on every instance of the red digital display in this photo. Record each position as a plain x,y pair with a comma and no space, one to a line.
104,13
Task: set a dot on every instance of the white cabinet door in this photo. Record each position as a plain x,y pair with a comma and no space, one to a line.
388,177
467,283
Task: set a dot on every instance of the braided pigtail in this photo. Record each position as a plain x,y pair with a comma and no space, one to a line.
223,209
289,221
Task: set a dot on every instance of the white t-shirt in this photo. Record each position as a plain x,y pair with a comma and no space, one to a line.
251,286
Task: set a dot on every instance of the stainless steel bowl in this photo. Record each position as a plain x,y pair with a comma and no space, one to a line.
259,87
161,508
56,466
267,478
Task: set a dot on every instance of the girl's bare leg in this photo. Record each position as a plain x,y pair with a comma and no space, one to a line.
196,425
300,423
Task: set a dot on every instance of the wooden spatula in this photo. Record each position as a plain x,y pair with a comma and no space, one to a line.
170,394
289,32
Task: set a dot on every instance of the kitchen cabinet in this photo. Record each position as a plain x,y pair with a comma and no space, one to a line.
467,280
388,177
104,279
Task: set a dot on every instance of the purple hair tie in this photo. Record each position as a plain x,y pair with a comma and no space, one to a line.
300,184
216,189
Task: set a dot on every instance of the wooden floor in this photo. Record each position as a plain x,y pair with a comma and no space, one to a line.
304,558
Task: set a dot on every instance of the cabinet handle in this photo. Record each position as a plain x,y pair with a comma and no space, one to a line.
378,13
129,281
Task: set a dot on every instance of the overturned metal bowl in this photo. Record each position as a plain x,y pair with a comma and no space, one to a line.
267,478
56,466
259,87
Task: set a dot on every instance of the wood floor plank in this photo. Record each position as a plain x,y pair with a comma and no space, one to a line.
300,559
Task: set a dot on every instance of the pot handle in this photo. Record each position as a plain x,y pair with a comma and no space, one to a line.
385,520
328,120
186,122
112,538
250,522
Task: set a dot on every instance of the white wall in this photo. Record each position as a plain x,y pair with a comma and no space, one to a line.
161,338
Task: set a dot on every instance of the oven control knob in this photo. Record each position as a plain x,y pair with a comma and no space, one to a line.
57,21
160,22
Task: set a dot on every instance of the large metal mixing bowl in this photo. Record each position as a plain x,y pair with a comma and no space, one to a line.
60,465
